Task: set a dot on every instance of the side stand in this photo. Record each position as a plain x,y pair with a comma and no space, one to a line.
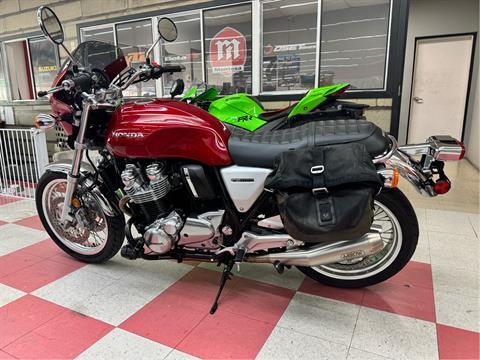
226,275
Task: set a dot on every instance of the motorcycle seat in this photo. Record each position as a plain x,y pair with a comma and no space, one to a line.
259,149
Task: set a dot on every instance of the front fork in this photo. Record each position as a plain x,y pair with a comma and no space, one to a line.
74,174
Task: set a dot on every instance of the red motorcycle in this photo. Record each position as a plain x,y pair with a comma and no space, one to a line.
321,196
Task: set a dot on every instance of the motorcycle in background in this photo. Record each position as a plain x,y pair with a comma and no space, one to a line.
321,198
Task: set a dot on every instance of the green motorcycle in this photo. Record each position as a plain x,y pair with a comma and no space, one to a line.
246,112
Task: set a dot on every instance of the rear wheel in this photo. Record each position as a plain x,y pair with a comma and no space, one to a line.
394,213
93,236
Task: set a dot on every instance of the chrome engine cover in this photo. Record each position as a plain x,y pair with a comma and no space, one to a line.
161,236
202,233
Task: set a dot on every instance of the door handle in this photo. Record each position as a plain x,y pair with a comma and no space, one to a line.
418,100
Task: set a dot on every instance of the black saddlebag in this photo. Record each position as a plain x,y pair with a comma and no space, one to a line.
325,193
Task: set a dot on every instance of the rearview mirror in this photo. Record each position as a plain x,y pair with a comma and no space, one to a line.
167,29
50,25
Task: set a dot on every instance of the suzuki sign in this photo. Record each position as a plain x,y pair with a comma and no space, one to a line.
228,51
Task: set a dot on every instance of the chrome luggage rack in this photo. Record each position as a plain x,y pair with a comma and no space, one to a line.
432,153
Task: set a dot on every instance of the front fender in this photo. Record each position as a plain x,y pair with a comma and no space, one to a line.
64,166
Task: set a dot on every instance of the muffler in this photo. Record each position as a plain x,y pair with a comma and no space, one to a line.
369,244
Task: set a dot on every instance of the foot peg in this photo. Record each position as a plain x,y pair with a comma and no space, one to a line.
279,267
128,252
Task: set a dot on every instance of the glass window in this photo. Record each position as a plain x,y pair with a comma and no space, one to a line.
44,62
228,48
289,45
104,34
19,70
354,42
134,38
186,50
3,81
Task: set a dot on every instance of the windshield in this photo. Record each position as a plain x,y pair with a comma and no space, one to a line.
97,55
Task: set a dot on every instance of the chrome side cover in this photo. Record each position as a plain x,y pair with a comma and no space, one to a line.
244,184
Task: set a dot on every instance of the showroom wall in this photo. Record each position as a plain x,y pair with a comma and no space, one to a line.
441,17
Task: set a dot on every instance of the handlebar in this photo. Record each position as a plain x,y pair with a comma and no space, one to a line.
83,81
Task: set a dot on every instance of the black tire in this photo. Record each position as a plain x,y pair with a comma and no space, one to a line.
401,208
116,226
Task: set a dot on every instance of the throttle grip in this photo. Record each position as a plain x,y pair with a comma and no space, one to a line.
42,93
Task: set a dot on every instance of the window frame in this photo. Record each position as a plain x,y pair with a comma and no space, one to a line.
6,64
257,44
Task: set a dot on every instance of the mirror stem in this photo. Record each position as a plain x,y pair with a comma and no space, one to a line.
150,50
68,52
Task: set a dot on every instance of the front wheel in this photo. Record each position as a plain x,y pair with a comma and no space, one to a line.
394,213
93,236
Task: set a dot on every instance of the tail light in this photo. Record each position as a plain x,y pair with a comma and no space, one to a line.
442,186
340,92
462,153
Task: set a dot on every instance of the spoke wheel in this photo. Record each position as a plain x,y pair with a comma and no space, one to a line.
97,230
88,233
367,266
395,215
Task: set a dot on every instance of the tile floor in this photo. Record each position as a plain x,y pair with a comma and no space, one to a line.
53,307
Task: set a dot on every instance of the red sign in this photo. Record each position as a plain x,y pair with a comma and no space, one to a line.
228,51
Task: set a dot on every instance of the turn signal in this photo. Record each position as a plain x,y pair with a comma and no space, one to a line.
441,186
44,121
395,178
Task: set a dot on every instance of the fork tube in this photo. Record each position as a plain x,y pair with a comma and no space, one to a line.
73,175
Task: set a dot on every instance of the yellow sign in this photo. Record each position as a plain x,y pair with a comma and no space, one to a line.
48,68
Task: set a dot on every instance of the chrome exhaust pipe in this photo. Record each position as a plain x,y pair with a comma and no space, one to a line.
369,244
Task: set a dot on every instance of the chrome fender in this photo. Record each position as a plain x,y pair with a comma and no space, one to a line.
64,166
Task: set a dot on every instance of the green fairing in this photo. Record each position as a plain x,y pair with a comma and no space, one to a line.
189,94
239,110
208,94
314,98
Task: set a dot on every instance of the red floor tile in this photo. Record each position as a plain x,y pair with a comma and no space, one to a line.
31,222
178,309
8,199
16,261
44,249
413,301
226,336
415,273
456,343
4,355
64,337
24,315
39,274
312,287
257,300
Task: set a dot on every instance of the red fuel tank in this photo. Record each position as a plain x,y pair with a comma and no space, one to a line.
162,129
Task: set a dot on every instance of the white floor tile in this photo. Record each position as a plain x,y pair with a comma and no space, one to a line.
447,278
356,354
120,344
422,252
475,221
449,222
395,336
178,355
17,210
15,237
284,344
458,311
453,250
106,298
290,279
74,290
324,318
9,294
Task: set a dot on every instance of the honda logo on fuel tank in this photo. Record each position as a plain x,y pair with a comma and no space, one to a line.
228,51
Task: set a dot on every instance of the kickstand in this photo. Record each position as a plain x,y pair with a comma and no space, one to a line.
226,275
